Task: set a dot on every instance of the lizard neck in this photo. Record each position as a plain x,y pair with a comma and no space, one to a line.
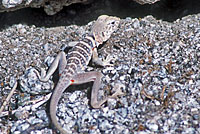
93,40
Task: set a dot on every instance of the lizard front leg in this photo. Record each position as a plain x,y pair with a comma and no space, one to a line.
95,59
59,61
69,45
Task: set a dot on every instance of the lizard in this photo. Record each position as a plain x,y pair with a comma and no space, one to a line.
71,66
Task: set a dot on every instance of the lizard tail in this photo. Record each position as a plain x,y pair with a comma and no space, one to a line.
60,88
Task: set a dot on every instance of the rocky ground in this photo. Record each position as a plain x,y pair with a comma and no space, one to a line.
156,62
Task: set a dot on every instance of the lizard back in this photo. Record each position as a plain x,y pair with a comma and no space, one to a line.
79,56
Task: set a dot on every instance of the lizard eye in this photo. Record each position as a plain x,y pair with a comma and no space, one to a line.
113,22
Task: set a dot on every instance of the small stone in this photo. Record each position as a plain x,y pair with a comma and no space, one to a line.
22,114
189,131
42,115
157,103
23,127
126,131
73,97
11,3
136,23
17,132
105,109
47,131
122,77
34,120
165,81
153,127
194,110
105,125
165,128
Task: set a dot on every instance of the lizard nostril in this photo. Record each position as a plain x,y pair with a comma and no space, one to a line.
103,34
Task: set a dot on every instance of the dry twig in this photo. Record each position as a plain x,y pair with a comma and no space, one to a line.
8,98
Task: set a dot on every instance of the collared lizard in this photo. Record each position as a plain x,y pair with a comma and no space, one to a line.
71,67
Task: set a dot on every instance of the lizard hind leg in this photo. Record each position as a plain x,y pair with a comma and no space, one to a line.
88,77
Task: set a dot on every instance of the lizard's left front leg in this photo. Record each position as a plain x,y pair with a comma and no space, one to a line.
97,60
87,77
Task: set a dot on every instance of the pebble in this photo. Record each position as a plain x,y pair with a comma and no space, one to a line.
42,115
31,84
153,127
11,3
105,125
73,97
23,127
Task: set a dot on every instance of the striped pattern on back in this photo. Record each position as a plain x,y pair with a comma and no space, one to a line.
79,56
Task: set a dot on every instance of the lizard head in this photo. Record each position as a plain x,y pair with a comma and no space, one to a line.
103,28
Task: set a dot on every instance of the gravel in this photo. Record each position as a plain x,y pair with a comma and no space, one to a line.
156,62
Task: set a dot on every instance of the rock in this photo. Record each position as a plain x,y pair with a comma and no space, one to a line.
51,7
146,1
30,83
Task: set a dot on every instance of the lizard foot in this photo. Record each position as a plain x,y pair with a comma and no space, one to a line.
99,103
109,58
118,91
42,76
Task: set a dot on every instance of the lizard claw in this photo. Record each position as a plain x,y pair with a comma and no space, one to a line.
37,73
109,58
99,104
43,74
118,91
